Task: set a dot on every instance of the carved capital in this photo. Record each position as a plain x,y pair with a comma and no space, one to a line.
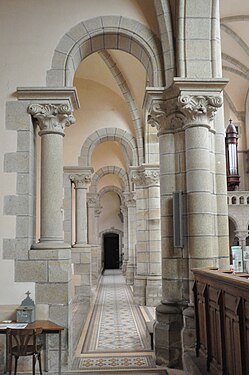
130,199
146,177
199,109
81,181
241,234
166,116
52,119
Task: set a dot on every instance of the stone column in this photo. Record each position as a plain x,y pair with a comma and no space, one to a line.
81,251
92,203
183,115
242,235
97,213
98,259
52,120
148,279
93,239
124,211
164,116
199,104
199,108
130,203
81,182
49,262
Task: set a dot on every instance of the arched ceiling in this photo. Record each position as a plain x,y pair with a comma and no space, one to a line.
235,60
235,53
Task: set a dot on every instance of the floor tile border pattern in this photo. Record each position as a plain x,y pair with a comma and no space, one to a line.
114,362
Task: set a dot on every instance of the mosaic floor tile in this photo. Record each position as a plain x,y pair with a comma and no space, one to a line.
120,362
115,340
116,323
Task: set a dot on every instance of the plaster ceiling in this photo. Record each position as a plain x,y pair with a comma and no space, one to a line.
235,52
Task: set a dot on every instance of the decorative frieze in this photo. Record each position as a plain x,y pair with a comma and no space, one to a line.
52,118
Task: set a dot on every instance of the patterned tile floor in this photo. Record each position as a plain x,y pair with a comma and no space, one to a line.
116,323
115,340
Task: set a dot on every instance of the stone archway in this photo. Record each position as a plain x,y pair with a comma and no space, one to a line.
107,32
112,134
110,170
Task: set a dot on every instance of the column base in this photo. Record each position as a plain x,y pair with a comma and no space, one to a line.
147,290
50,245
153,290
189,332
168,326
130,274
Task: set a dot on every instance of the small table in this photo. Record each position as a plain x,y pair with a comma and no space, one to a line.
47,327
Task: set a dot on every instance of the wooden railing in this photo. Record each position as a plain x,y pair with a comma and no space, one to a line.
222,320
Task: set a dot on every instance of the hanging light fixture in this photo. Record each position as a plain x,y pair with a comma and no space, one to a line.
232,157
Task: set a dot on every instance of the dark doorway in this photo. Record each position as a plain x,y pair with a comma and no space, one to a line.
111,251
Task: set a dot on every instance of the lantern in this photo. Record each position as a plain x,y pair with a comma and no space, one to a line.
232,157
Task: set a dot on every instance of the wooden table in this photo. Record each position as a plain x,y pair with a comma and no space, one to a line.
47,327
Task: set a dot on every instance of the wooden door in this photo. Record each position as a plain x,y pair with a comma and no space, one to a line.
111,251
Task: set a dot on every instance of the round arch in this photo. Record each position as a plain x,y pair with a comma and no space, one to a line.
109,170
112,134
106,32
233,226
113,189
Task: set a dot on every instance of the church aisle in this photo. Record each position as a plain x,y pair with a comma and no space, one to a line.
115,337
114,340
116,323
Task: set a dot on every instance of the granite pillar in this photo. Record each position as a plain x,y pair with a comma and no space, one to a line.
130,203
147,281
49,263
124,211
81,251
184,116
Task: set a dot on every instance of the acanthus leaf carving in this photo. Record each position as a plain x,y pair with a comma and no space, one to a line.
166,117
52,118
198,108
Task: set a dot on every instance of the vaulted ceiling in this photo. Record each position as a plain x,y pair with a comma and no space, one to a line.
235,59
235,53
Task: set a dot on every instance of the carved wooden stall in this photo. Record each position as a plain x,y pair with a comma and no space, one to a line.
222,320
